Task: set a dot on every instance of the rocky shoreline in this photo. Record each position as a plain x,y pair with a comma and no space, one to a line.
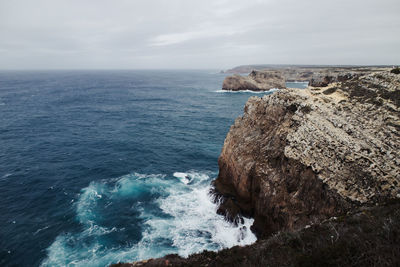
276,77
319,171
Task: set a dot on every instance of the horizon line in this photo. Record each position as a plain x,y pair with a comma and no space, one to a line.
188,69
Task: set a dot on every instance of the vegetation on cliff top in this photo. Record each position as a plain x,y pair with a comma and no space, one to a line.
396,70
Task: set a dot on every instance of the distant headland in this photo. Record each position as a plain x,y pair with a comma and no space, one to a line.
266,77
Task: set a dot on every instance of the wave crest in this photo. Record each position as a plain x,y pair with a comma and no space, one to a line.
162,214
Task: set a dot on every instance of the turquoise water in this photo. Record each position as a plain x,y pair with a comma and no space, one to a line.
98,167
300,85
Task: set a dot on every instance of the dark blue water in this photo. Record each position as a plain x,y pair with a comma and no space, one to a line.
105,166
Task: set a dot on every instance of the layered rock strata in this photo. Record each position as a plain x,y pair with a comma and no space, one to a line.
300,156
324,79
264,77
255,81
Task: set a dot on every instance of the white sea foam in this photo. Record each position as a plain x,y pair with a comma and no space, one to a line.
6,175
248,91
40,229
87,203
136,184
188,222
188,177
299,82
195,226
183,177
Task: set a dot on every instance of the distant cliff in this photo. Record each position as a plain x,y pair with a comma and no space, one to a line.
255,81
266,77
302,68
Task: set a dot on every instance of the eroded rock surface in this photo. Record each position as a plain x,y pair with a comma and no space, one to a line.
324,79
299,156
255,81
276,77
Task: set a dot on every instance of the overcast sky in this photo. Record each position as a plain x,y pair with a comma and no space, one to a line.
215,34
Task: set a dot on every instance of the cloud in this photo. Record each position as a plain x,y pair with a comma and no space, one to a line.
175,38
206,32
68,34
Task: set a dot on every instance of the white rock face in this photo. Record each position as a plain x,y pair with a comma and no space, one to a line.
255,81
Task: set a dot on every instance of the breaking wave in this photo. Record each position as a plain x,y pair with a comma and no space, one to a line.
248,91
158,214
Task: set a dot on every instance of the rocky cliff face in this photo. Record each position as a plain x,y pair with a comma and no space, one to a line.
255,81
300,156
323,80
319,169
265,77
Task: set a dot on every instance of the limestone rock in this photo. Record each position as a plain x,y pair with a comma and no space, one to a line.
324,79
255,81
299,156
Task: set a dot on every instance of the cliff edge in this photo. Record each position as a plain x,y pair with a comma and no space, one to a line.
300,156
255,81
264,77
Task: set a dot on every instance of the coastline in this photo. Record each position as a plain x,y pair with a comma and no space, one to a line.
289,163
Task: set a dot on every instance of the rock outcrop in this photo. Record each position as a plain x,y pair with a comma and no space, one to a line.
276,77
324,79
255,81
370,237
299,156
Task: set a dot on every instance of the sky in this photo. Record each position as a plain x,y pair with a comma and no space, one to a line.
206,34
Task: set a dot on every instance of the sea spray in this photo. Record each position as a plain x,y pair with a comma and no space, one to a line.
171,214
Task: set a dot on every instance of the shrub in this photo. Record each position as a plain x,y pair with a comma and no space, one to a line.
395,70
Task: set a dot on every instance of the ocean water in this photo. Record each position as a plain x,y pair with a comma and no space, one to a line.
300,85
98,167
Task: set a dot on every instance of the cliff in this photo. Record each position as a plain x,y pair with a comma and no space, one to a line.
255,81
300,156
297,70
323,80
319,171
265,77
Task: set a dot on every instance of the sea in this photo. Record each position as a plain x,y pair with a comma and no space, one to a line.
100,167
